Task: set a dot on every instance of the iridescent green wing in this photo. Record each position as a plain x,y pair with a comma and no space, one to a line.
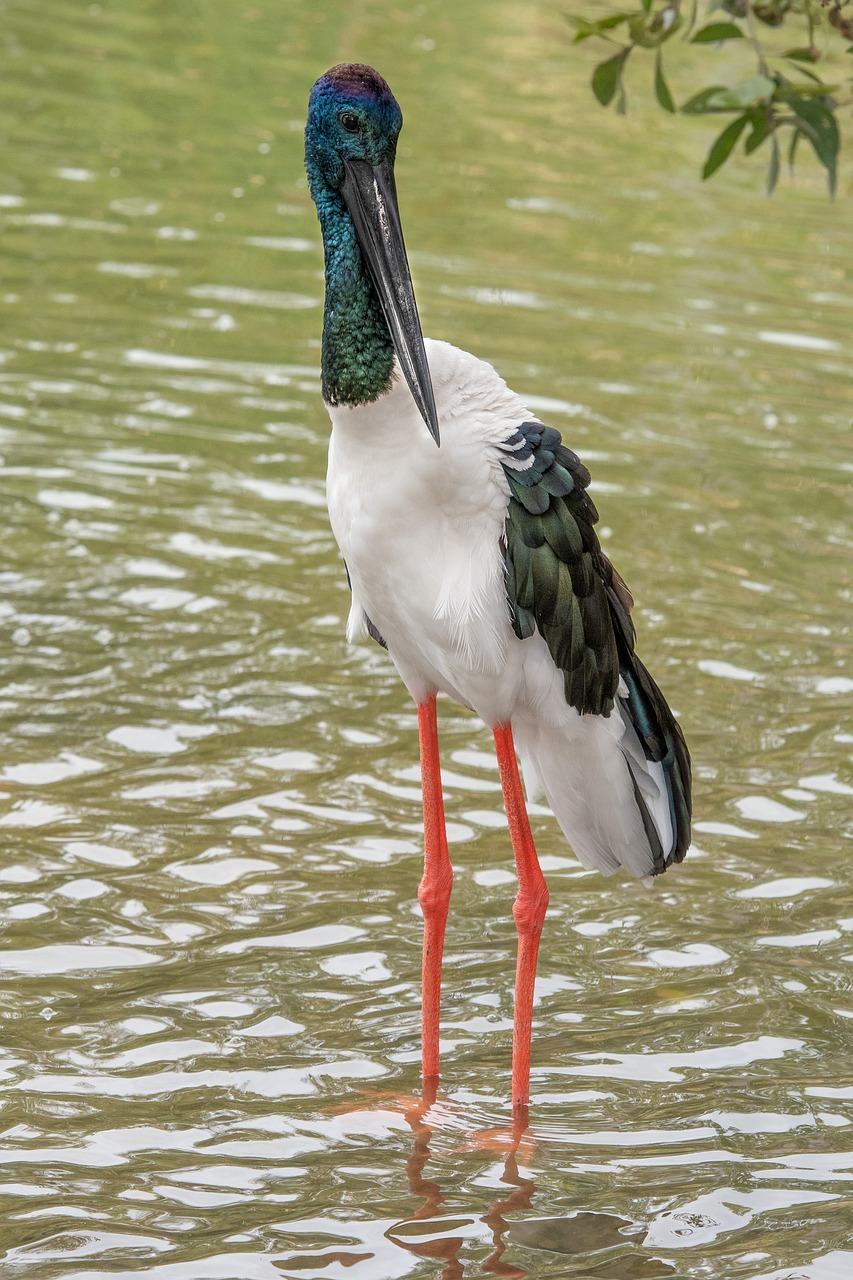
560,583
557,577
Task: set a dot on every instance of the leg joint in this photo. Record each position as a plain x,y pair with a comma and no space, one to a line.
529,909
434,892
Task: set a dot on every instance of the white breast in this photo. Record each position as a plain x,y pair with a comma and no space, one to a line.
420,527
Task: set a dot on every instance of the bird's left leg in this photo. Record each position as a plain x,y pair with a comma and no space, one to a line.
528,911
434,890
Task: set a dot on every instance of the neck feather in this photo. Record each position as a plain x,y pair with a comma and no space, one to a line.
358,356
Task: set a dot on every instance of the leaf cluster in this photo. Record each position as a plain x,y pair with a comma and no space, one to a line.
785,98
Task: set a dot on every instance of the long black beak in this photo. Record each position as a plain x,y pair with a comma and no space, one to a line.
371,198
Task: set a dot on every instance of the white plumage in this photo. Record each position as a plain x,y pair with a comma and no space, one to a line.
420,530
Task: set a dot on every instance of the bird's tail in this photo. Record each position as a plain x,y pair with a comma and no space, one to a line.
651,727
653,745
619,784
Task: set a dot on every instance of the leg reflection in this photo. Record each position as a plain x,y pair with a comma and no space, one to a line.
446,1249
519,1198
418,1185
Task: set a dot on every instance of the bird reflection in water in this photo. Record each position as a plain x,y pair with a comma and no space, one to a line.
581,1235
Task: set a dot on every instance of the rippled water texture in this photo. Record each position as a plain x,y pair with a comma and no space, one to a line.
209,804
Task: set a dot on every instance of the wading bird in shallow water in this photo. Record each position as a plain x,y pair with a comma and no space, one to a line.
472,556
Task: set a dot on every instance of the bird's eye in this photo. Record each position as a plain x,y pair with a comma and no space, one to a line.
350,122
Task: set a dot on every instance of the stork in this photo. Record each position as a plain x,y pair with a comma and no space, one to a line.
468,536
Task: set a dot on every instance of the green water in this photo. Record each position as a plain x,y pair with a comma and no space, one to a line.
209,804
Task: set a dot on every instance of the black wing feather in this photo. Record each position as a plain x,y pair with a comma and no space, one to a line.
559,581
559,575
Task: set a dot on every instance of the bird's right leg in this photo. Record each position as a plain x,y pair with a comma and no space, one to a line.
434,891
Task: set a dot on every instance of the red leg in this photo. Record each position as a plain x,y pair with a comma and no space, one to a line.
528,911
434,891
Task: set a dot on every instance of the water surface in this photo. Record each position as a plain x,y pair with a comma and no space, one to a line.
209,804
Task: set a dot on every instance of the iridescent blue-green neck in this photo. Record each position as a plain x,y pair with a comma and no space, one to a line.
358,355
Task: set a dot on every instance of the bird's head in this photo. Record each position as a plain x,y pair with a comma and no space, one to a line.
352,115
351,134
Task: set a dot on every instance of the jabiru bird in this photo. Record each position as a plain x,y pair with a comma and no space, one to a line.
467,532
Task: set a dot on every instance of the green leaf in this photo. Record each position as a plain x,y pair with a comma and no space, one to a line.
717,31
606,77
584,28
647,5
724,145
821,129
773,169
662,92
649,32
703,100
638,29
817,90
820,117
758,89
792,146
762,126
811,75
612,20
719,98
802,55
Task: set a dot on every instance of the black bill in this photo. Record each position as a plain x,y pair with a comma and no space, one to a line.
371,198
